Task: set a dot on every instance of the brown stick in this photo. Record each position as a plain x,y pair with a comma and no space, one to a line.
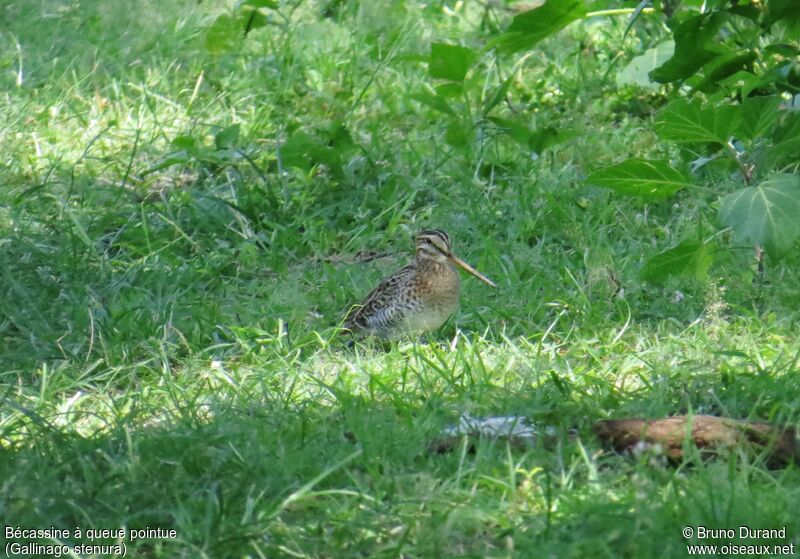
709,434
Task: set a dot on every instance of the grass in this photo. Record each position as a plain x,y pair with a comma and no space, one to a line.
172,286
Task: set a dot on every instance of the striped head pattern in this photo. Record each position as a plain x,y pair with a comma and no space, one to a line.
433,244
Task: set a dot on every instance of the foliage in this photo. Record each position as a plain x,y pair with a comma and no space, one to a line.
766,214
739,64
742,110
653,180
739,108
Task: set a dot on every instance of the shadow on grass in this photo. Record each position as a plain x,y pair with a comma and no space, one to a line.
353,477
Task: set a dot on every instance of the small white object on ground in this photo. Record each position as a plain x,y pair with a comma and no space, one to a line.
504,426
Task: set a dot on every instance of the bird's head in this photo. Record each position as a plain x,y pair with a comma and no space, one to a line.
434,244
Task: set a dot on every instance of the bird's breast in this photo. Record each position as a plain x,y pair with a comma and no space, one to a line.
438,282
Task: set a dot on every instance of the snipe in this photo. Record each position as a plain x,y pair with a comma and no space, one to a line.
417,298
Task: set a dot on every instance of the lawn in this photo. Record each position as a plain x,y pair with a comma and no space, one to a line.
187,213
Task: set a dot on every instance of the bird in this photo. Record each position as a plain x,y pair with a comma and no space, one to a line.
419,297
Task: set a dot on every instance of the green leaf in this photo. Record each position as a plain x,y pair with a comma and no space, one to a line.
450,62
535,140
224,34
782,49
692,37
251,19
455,134
786,138
684,121
184,142
339,136
637,71
270,4
719,68
758,116
652,180
530,27
433,101
499,95
748,81
544,138
303,150
781,9
689,259
518,132
750,11
548,18
227,137
766,214
449,90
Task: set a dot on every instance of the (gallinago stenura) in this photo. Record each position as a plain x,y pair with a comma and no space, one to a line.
417,298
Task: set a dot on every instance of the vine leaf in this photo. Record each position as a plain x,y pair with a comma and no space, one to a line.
652,180
689,121
638,69
693,40
690,258
758,116
531,26
766,214
450,62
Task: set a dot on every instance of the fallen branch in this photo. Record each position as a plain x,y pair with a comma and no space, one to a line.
708,433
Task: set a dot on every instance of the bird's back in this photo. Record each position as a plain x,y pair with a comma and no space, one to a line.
418,297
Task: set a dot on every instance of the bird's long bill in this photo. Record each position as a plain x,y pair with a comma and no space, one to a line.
460,263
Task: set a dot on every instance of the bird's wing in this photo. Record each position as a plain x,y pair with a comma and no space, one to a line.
376,311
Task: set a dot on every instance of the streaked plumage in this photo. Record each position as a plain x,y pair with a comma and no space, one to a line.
417,298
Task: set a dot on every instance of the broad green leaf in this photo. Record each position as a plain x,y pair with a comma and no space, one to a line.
227,137
252,19
536,140
787,51
455,134
519,132
690,259
450,62
449,89
766,214
637,71
653,180
719,68
691,36
338,136
748,81
184,142
544,138
758,116
747,11
786,138
685,121
433,101
548,18
714,4
782,9
223,34
530,27
303,150
296,152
